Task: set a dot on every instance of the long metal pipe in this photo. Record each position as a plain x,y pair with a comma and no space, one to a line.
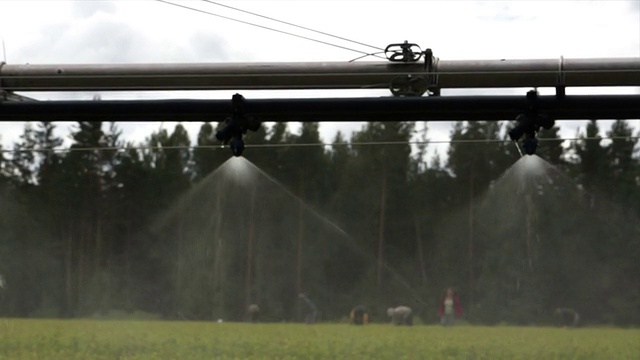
319,75
444,108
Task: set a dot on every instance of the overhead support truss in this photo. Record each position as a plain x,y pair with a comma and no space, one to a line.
409,74
432,74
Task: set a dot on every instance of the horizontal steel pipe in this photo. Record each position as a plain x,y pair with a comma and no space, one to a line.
319,75
445,108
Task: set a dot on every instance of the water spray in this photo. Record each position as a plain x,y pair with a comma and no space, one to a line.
529,123
237,125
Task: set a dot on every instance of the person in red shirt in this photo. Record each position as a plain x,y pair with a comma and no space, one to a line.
450,308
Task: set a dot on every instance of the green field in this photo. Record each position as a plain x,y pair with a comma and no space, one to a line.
91,339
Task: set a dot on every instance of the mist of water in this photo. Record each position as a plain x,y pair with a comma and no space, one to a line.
26,258
533,241
242,237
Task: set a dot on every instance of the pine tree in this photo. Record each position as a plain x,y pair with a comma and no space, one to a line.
592,157
550,146
205,158
378,175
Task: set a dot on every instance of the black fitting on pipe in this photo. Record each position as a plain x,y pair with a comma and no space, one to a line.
403,52
529,123
432,78
237,125
530,144
413,85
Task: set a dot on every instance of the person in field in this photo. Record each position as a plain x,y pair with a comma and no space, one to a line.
312,311
566,317
253,313
2,287
359,316
450,308
401,315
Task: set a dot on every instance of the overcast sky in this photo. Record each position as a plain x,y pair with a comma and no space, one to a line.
146,31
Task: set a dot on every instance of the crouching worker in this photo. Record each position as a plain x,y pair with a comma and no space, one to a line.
253,313
401,315
566,317
359,316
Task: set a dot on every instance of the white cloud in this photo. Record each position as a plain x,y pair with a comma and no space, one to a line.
86,9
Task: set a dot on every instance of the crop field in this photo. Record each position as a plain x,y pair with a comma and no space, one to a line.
114,339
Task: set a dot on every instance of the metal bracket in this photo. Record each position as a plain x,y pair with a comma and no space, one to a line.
532,97
561,79
430,63
237,102
539,120
405,52
413,85
408,86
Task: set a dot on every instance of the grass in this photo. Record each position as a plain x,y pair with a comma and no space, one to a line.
95,339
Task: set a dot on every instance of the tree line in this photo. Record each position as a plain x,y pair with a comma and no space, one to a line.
75,235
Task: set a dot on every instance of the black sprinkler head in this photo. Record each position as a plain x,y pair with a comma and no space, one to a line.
237,146
224,134
524,125
237,124
545,121
516,133
253,124
232,129
530,144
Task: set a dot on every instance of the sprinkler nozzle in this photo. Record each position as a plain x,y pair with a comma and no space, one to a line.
237,125
237,146
530,144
